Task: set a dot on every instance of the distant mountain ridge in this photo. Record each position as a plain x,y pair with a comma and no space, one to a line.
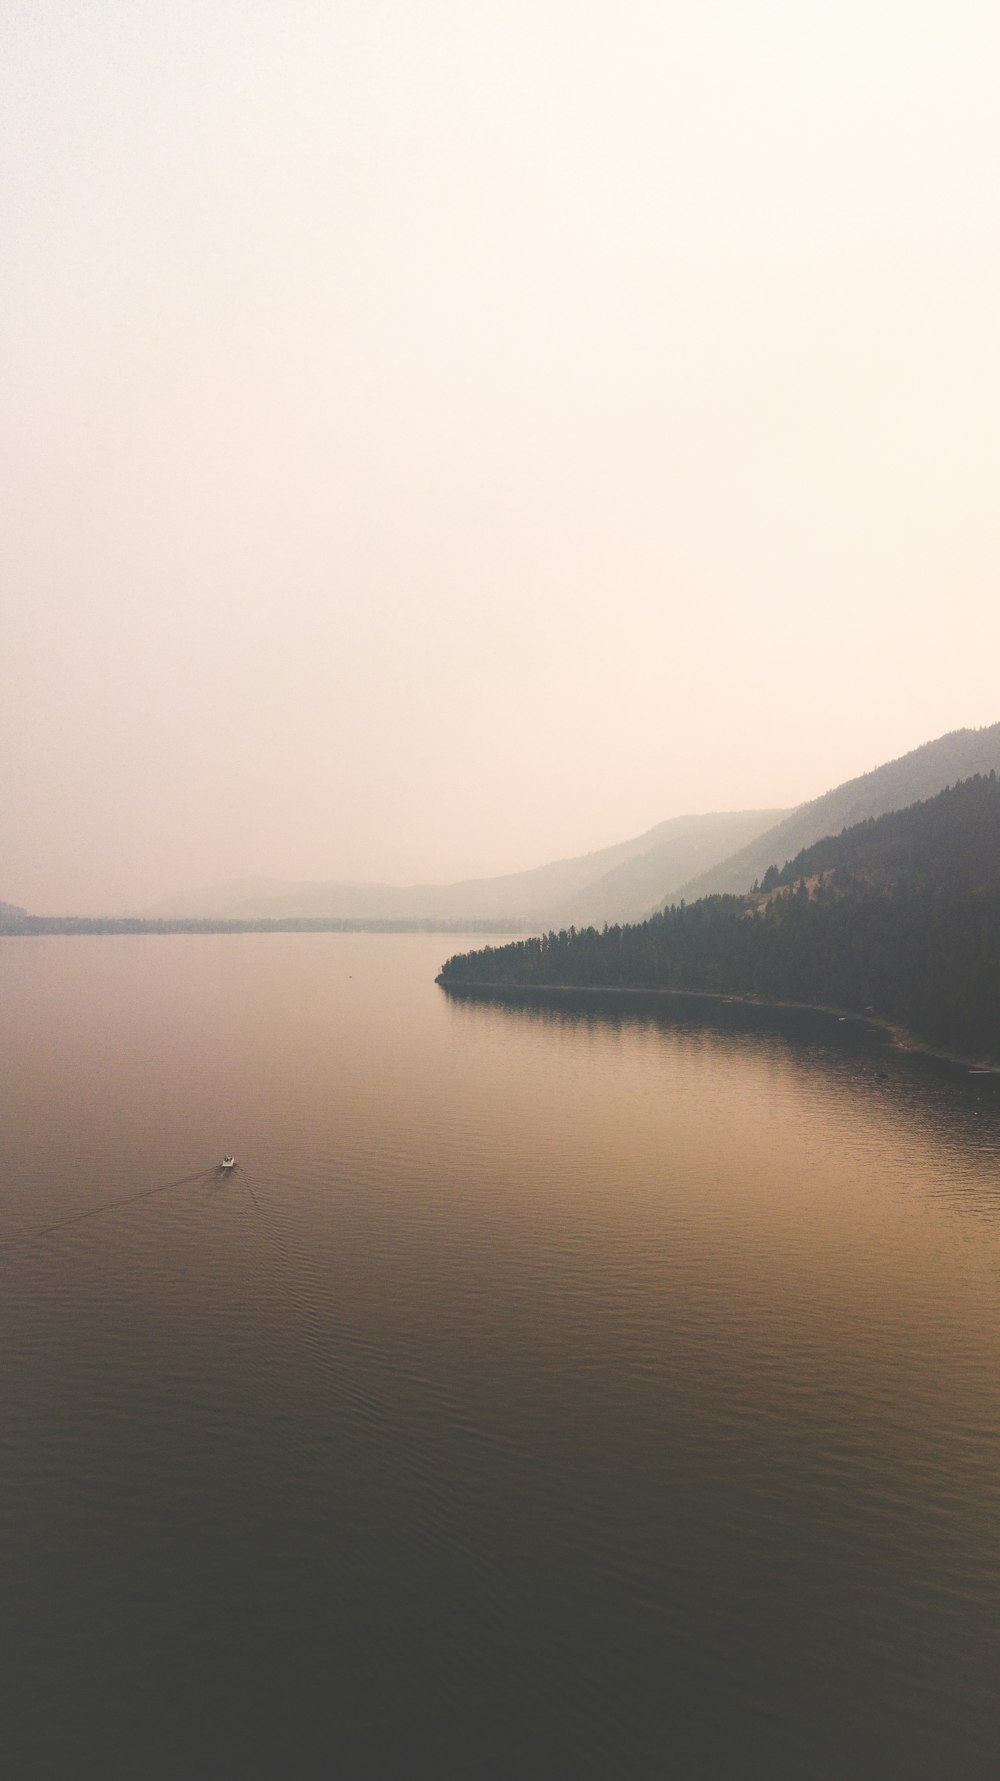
682,845
683,857
614,883
922,773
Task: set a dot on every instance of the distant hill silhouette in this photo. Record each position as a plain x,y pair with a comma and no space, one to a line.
685,856
680,847
617,882
919,774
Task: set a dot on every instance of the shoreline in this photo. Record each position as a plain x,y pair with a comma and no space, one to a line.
902,1038
45,926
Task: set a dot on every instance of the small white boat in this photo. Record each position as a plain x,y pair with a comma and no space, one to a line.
228,1162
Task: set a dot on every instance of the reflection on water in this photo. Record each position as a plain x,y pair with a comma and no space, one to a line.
949,1103
593,1388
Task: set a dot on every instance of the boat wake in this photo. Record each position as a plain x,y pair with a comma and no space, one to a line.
145,1193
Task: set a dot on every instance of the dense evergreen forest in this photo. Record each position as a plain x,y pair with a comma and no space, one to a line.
898,917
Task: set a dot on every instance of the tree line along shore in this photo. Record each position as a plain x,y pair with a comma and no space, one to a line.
897,918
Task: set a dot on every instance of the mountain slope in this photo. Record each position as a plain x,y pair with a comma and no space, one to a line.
683,846
919,774
949,844
626,877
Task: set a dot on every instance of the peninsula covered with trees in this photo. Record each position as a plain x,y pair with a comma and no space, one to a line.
897,918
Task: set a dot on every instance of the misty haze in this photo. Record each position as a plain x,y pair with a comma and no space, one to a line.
500,891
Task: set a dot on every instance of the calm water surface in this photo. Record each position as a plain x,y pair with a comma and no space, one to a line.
586,1392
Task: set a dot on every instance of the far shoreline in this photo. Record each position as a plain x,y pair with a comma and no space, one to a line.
36,926
902,1038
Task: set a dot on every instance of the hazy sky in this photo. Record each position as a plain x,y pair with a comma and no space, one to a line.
441,435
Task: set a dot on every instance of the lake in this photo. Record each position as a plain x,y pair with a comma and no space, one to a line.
599,1390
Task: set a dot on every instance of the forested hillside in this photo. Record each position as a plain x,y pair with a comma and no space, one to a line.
901,920
900,783
950,843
